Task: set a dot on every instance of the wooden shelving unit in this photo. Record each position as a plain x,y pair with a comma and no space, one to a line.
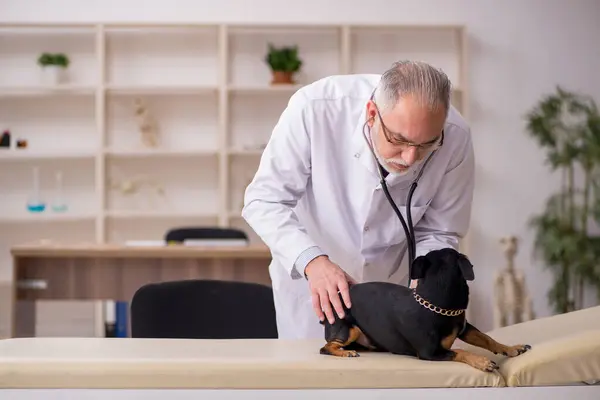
208,88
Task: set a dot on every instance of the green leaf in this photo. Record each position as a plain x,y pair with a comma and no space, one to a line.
283,59
59,59
567,126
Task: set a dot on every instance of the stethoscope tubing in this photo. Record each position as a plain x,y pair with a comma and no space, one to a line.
408,227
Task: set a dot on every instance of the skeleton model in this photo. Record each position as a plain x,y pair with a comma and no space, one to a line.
513,304
130,187
146,124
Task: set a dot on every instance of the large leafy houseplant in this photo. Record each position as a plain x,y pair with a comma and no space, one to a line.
567,126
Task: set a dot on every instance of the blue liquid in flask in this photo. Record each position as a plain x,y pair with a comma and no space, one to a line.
36,208
59,208
35,204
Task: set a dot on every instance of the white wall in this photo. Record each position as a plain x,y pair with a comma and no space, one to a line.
519,49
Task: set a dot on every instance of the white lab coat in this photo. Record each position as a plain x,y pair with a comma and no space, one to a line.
316,185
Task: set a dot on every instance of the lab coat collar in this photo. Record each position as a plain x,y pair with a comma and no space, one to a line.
361,149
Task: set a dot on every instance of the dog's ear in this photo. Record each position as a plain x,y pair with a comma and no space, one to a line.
466,268
419,267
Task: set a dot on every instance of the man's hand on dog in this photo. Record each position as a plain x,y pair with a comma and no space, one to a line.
326,279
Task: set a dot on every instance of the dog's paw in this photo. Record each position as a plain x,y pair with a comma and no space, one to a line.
483,363
517,350
337,352
490,366
349,353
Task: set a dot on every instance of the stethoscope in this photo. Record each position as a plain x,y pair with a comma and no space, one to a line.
408,228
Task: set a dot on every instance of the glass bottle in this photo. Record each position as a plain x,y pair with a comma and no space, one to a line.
59,203
35,203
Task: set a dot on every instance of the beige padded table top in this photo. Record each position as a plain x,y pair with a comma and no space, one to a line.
566,350
118,363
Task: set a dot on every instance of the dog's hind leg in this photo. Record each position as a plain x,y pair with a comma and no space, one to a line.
476,361
342,333
475,337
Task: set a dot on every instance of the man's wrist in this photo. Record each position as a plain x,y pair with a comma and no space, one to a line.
306,257
311,264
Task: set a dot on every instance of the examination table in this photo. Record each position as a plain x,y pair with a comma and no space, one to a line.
563,363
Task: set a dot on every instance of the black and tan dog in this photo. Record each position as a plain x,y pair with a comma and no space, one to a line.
423,322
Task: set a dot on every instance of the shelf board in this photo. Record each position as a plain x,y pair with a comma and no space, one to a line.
55,248
162,214
245,152
40,91
141,90
267,88
283,28
159,152
385,28
46,216
26,154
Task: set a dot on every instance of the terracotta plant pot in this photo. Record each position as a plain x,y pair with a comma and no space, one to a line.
282,77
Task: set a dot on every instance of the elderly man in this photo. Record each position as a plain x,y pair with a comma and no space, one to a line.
316,199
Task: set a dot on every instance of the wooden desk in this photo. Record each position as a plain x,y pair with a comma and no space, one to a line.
107,271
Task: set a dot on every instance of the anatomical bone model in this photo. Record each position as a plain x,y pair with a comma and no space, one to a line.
132,186
146,124
512,302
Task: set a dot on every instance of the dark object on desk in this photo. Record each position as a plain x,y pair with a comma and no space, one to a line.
5,140
203,309
178,235
22,143
110,329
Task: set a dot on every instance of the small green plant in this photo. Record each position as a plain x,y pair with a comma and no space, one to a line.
283,59
45,59
57,59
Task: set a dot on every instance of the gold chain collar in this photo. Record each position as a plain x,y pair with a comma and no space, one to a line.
436,309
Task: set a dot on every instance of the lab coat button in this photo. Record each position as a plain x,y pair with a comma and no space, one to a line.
357,155
366,228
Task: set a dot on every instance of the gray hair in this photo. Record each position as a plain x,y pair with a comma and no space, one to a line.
428,84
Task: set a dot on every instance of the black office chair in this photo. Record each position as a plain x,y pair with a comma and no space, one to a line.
203,309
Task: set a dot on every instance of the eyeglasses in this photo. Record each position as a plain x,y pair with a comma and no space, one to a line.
398,140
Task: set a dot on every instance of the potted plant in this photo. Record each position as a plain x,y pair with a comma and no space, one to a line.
284,63
567,126
53,67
